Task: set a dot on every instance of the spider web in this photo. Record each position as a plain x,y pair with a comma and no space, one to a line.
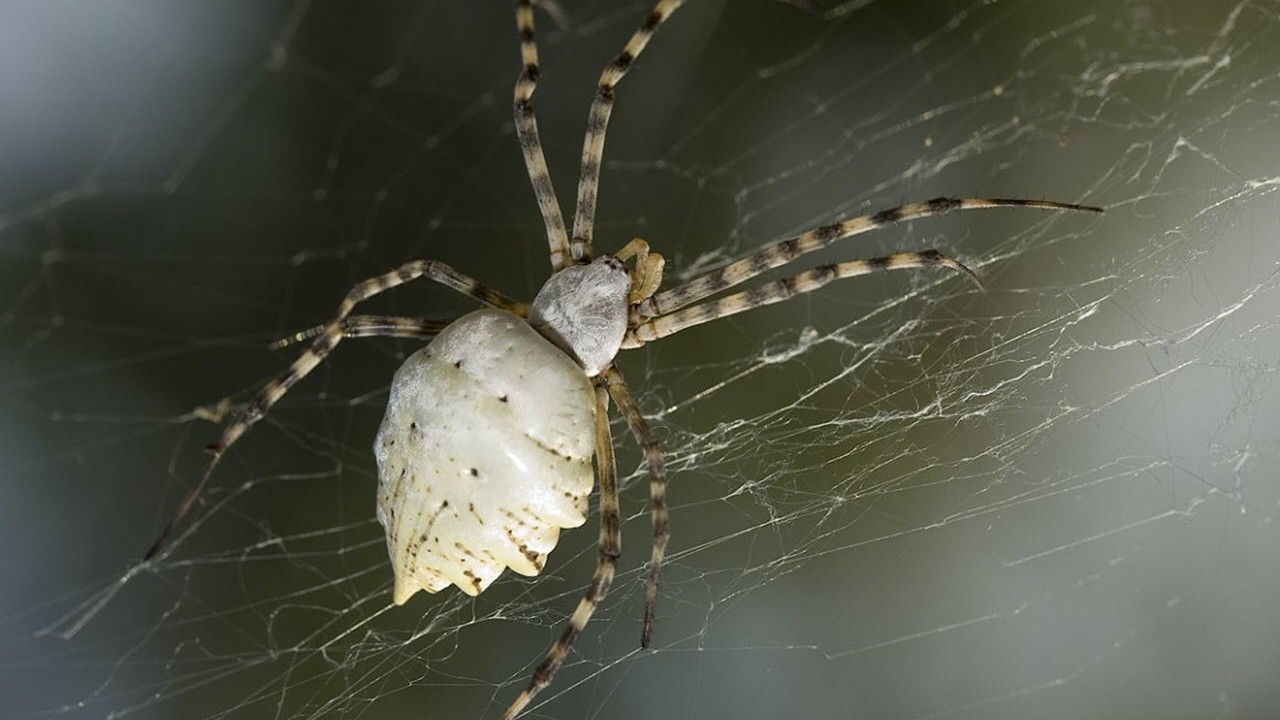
897,497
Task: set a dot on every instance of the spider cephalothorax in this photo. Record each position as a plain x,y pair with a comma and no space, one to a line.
583,310
486,450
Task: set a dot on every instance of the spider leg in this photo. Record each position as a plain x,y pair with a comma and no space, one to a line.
610,547
531,145
320,348
598,122
785,251
357,326
657,490
783,289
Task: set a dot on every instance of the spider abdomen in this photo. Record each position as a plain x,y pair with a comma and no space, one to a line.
483,456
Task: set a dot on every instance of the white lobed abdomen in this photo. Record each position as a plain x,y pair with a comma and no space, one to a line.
483,456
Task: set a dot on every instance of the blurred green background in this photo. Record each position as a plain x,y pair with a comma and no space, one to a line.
898,497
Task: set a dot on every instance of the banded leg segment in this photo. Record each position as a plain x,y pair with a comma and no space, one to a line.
598,123
657,468
610,547
531,145
357,326
410,328
324,343
784,289
783,252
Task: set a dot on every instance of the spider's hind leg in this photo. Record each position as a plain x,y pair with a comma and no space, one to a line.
610,547
657,468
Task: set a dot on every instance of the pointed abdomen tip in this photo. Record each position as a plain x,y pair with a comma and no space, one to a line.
404,590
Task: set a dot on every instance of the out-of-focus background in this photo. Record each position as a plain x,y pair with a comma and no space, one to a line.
898,497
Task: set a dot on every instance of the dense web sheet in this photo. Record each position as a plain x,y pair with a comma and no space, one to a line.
899,497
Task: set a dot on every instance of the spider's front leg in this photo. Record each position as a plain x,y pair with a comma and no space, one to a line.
785,289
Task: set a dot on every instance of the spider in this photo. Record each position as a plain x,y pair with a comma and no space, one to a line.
486,449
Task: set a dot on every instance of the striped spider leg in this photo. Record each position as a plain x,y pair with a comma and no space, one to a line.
563,252
609,548
356,326
598,123
670,311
